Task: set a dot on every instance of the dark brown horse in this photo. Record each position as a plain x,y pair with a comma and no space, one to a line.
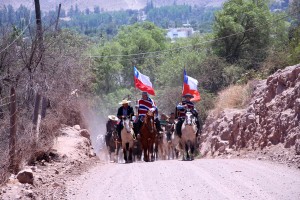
112,142
148,136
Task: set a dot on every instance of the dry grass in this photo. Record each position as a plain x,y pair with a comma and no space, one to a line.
234,97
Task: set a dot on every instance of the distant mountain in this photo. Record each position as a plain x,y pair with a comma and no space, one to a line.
108,5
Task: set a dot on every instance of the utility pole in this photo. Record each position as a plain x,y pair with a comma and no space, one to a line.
13,130
57,19
38,22
39,32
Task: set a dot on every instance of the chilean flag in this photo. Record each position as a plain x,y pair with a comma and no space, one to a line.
190,86
143,82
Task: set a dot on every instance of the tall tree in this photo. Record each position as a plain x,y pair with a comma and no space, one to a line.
244,29
294,33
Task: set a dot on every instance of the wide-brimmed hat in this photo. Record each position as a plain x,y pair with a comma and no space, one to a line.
112,117
124,101
188,95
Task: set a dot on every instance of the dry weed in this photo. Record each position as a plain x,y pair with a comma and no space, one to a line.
235,97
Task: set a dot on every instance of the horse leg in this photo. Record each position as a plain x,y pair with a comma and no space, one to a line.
152,153
124,153
146,158
126,150
130,155
187,151
140,152
192,151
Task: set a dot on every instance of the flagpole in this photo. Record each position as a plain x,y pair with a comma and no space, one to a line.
180,100
135,91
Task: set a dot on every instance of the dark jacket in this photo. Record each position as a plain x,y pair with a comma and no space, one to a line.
130,111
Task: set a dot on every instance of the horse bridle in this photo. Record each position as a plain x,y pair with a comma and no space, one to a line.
192,121
123,121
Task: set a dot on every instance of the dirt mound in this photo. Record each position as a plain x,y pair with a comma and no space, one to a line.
269,126
70,156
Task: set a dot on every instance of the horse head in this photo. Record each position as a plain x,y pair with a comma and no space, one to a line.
169,129
149,121
189,118
127,124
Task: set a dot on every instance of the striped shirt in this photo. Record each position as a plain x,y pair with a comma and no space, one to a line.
189,104
145,105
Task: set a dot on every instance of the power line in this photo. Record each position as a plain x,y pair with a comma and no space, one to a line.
20,33
201,43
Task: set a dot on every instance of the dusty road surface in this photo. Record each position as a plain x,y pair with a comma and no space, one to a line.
199,179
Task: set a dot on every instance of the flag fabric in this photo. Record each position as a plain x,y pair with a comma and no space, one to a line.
143,82
190,86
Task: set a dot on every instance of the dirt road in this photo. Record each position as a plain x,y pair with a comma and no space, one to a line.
198,179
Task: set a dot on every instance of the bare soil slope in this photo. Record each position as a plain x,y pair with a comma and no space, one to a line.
70,156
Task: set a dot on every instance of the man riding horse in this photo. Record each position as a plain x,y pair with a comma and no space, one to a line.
181,110
144,105
124,111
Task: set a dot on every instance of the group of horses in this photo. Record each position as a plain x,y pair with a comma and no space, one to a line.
151,144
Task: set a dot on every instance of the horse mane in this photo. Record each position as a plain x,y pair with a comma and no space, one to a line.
145,122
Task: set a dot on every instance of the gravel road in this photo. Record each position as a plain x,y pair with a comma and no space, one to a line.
198,179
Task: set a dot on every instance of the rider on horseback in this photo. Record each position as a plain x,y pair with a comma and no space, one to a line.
181,110
124,111
110,128
111,123
144,105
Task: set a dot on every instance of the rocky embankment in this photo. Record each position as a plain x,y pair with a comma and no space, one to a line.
268,128
71,155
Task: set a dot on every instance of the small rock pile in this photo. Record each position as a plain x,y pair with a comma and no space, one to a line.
271,118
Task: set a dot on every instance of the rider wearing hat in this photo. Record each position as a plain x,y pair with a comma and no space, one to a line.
110,126
124,111
144,105
111,123
181,110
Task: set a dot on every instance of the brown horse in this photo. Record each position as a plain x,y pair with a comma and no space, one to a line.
148,136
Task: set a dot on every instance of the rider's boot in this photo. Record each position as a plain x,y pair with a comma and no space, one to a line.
178,128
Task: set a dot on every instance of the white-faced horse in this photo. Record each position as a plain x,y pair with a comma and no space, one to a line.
127,139
188,138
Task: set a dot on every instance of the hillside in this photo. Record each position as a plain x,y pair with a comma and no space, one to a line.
267,129
110,5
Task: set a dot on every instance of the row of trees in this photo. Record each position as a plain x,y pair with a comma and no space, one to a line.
97,21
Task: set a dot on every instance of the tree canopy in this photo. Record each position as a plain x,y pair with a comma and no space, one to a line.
244,30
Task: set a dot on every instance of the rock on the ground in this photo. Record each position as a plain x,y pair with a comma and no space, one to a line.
297,146
77,127
25,176
85,133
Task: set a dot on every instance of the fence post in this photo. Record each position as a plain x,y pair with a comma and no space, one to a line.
44,107
36,118
13,130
